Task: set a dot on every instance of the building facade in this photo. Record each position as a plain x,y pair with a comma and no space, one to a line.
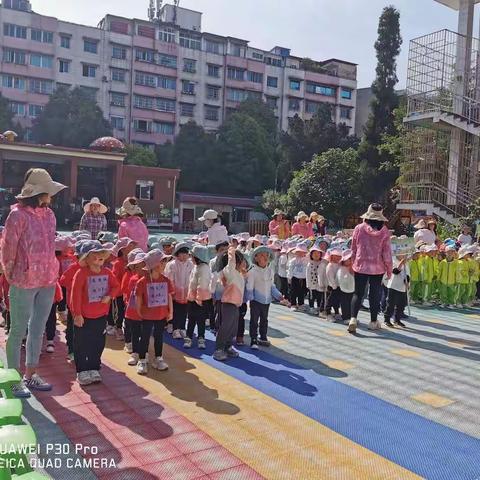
151,77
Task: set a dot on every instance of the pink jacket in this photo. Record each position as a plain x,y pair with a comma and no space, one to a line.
303,229
179,274
372,250
135,229
282,230
28,248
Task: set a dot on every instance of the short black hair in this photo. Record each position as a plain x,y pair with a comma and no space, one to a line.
182,250
375,224
218,246
223,261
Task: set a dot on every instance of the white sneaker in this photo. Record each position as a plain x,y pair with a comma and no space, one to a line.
119,334
322,314
295,309
159,364
83,378
374,325
110,330
128,347
183,333
95,376
202,344
352,325
50,347
142,367
177,335
187,343
133,360
330,318
170,328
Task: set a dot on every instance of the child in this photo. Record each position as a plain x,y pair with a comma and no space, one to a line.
154,301
178,272
316,280
93,288
428,272
397,286
167,245
282,269
463,277
233,271
216,284
415,276
64,251
333,300
346,284
447,276
198,293
296,274
260,291
474,275
51,325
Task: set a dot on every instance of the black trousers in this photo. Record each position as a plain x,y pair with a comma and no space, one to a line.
374,294
396,303
298,289
258,314
62,304
383,301
51,325
117,312
196,317
180,312
314,296
346,305
242,311
210,308
6,315
333,300
158,326
217,305
135,329
69,332
228,326
284,286
89,344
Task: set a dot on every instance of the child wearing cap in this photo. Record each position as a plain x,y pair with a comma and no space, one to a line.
178,271
316,280
333,300
463,277
199,292
93,288
297,274
346,285
415,277
474,276
397,286
64,251
217,285
154,302
282,269
447,276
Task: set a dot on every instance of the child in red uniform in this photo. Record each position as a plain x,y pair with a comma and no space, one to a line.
154,301
65,253
93,288
133,324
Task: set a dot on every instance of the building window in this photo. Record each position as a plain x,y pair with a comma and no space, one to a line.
117,99
90,46
117,123
272,102
189,65
22,5
257,55
241,215
9,81
213,70
272,82
187,109
346,93
235,95
118,75
40,86
169,61
311,107
35,110
64,66
119,52
188,40
146,31
167,34
169,83
89,70
213,47
166,105
213,92
236,50
145,55
254,95
188,88
276,62
41,36
255,77
294,84
17,108
211,113
14,56
346,113
142,126
64,41
17,31
119,27
235,73
164,128
321,89
294,104
145,79
140,101
42,61
144,190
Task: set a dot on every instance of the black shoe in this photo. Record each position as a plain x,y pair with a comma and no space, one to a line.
264,342
254,344
399,323
388,323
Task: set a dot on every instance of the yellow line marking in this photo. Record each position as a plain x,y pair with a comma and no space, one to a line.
338,364
337,333
439,322
285,317
277,341
264,433
404,352
432,399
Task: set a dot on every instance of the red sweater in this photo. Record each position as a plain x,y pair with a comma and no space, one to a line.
89,288
65,261
130,298
154,295
66,280
124,284
119,267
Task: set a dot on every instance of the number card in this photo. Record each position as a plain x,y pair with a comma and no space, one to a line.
97,288
157,294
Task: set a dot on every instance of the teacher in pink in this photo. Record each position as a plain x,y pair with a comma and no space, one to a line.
279,226
131,223
302,226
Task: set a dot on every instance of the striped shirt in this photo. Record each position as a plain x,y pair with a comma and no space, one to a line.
93,224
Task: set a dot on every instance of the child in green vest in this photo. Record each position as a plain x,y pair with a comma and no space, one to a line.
429,262
415,285
447,276
474,274
463,277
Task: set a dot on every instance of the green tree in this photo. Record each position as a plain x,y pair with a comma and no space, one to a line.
137,155
263,115
328,184
70,119
272,199
6,115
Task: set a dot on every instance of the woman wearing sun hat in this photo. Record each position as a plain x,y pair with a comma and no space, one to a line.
318,224
216,232
31,269
279,226
131,224
424,233
94,220
302,226
372,259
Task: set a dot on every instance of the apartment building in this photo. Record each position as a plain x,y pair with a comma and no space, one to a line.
151,77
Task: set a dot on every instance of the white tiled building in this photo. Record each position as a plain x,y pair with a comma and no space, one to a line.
150,78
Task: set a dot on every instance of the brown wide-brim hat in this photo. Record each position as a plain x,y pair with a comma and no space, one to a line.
39,182
374,214
95,201
278,212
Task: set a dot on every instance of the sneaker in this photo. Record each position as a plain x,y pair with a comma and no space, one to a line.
352,325
128,347
20,390
133,360
142,367
170,328
95,376
232,353
84,378
400,323
240,342
322,314
452,306
187,343
159,364
338,317
374,325
177,335
388,323
264,342
35,382
254,344
50,347
202,345
220,355
183,333
110,330
330,318
119,334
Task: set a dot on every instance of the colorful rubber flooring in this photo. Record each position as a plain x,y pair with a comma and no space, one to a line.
318,404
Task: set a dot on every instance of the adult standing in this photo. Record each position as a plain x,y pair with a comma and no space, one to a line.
465,238
216,232
93,219
424,233
131,223
279,226
318,223
31,268
372,259
302,226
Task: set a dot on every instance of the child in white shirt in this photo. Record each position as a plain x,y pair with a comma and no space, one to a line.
346,283
297,274
397,291
333,301
316,280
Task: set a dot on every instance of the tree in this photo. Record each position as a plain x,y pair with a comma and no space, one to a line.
6,115
384,101
263,115
71,119
328,184
272,200
137,155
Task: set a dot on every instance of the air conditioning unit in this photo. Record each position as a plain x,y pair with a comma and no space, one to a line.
104,79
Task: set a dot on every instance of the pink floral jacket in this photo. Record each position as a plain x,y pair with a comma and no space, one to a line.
28,247
135,229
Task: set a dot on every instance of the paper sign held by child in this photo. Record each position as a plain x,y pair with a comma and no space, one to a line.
97,288
157,294
403,245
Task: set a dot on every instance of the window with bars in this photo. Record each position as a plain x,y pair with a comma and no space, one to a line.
119,52
117,99
189,40
169,61
211,113
36,85
294,104
165,105
89,70
189,65
188,88
145,79
90,46
187,109
143,55
213,92
118,75
213,70
141,101
272,82
236,95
